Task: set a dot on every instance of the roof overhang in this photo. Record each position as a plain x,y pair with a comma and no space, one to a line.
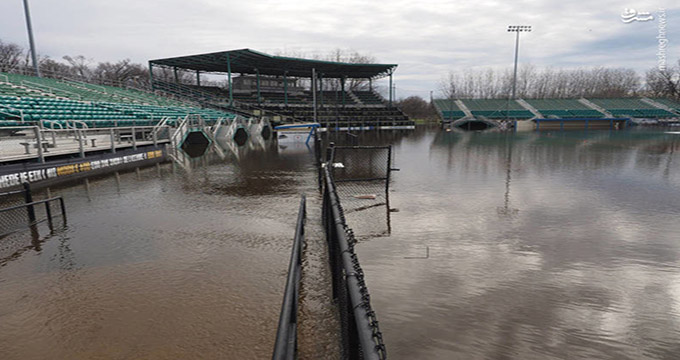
248,61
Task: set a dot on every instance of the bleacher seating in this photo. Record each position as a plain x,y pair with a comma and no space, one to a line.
27,100
368,97
497,109
558,108
563,108
448,109
330,111
631,107
24,85
668,102
335,97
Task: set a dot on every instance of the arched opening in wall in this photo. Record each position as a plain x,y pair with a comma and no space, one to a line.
240,136
195,144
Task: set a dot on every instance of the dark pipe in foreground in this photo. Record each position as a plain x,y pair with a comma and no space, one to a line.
286,335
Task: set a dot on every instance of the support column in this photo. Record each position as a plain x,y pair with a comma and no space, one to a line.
153,88
314,92
321,87
257,71
390,88
198,78
174,69
342,87
231,91
285,88
370,84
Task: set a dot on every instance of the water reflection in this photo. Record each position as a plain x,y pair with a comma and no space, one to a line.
581,263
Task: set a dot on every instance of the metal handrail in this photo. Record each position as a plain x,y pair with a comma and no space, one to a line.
21,111
285,346
52,90
32,221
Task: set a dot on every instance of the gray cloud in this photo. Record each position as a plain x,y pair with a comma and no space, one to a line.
427,38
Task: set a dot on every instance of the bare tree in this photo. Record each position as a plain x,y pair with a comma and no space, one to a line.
10,56
546,83
664,83
417,108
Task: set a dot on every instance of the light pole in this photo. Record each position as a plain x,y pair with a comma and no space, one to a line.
30,38
517,29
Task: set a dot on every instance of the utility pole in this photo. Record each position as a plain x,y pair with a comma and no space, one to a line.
34,57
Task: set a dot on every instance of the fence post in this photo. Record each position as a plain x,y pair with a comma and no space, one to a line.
389,169
48,212
63,210
28,197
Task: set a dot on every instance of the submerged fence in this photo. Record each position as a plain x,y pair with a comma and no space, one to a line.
364,169
18,211
361,175
286,336
360,334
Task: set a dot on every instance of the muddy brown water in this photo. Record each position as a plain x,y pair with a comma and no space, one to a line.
504,246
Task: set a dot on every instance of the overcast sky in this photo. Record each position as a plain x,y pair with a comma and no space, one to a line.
426,38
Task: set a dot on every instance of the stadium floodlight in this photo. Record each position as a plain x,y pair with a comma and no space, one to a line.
517,29
30,39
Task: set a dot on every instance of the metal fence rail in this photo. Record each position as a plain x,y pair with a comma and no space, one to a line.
286,336
16,213
360,334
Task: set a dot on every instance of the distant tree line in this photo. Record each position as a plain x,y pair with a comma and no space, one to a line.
562,83
16,59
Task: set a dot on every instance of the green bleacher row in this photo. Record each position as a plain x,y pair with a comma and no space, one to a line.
24,85
267,97
56,112
561,108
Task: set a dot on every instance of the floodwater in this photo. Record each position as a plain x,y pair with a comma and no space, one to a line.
178,266
500,246
528,246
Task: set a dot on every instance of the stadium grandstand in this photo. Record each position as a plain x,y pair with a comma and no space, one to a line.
58,103
286,89
574,111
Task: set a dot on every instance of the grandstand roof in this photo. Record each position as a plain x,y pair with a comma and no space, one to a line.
246,61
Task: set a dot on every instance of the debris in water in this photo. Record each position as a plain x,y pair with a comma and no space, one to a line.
366,196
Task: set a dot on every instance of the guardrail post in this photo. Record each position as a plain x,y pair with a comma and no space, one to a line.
113,141
81,148
38,141
134,138
28,197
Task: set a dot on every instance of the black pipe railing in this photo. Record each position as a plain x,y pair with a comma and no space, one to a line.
360,334
9,214
286,335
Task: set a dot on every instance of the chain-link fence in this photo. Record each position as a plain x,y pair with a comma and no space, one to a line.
22,209
15,218
361,175
360,334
